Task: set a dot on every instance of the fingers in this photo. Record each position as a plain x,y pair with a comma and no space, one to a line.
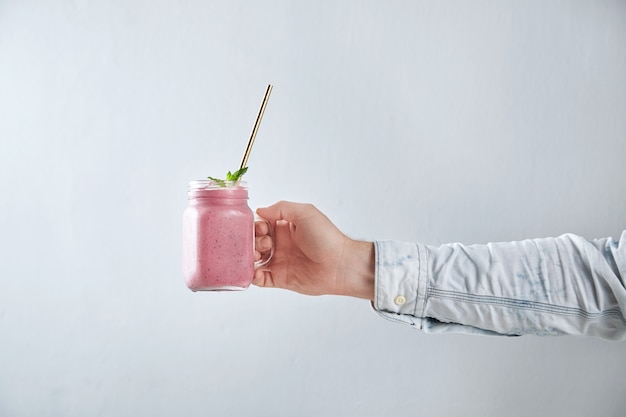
262,238
263,243
261,228
263,278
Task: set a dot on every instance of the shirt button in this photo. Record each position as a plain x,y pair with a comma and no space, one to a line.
399,300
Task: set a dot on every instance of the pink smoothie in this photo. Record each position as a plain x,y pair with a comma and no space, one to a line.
218,239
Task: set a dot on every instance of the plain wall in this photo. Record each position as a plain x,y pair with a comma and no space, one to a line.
435,122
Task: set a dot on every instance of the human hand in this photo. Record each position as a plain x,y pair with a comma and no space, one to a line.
311,256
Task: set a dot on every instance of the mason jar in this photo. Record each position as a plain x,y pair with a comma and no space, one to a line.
218,237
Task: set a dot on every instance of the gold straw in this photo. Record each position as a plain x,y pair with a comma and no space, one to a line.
244,161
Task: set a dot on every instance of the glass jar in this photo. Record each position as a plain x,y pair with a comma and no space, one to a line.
218,237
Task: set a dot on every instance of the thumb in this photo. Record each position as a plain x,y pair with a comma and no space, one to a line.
286,210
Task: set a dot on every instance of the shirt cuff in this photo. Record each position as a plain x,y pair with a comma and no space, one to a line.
401,280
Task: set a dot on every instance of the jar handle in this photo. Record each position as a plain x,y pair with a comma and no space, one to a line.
266,256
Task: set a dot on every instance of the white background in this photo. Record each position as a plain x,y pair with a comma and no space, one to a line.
410,120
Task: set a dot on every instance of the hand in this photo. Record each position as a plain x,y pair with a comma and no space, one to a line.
311,256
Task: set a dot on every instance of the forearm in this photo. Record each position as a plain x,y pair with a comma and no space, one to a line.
357,269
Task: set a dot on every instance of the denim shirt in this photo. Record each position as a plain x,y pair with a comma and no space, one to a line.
554,286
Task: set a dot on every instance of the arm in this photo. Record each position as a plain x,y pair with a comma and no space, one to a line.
564,285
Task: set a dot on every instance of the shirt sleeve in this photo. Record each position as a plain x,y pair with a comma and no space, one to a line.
554,286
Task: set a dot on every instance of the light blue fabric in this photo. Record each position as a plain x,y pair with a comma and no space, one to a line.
554,286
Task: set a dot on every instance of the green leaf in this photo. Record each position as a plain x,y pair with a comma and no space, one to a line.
218,181
237,175
230,177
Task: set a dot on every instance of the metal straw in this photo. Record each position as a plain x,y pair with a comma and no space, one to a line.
244,161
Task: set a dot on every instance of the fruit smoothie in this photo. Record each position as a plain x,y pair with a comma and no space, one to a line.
218,237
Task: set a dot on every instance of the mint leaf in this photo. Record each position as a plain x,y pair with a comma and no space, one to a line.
218,181
230,177
238,174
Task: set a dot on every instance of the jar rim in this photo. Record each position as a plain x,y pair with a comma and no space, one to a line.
216,185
